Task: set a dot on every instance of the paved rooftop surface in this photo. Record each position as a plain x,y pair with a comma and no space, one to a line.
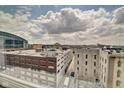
32,52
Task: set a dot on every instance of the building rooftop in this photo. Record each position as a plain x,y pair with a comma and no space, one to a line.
117,55
38,52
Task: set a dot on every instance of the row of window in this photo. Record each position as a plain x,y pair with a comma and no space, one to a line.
65,63
86,56
118,82
60,69
86,63
66,55
64,60
86,71
118,73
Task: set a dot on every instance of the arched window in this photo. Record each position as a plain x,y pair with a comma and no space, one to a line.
118,73
119,63
94,63
86,56
94,56
78,62
78,55
85,62
118,83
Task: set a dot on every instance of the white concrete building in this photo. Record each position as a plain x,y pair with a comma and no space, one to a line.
63,62
50,76
103,67
87,63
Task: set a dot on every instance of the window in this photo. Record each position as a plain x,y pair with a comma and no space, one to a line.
86,69
119,63
94,63
61,67
61,57
51,67
97,80
73,52
94,71
85,62
35,75
42,76
86,56
78,62
8,41
58,65
51,79
104,78
118,83
94,56
118,73
58,59
78,55
35,81
77,68
28,73
61,62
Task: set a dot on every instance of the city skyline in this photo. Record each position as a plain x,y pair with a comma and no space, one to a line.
61,46
78,24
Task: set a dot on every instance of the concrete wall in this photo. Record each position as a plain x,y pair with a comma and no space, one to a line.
103,67
42,78
63,62
2,62
87,72
114,69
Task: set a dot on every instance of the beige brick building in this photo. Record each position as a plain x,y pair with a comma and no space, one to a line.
116,70
99,65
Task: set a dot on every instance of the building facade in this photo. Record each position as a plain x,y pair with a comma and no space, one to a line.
45,67
2,62
99,65
115,72
13,41
86,64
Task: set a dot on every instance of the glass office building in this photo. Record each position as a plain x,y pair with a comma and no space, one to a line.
13,41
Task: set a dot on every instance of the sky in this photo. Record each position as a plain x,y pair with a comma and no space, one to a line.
65,24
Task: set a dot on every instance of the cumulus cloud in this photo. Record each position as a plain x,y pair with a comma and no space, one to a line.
14,22
118,15
76,24
70,20
68,26
19,24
